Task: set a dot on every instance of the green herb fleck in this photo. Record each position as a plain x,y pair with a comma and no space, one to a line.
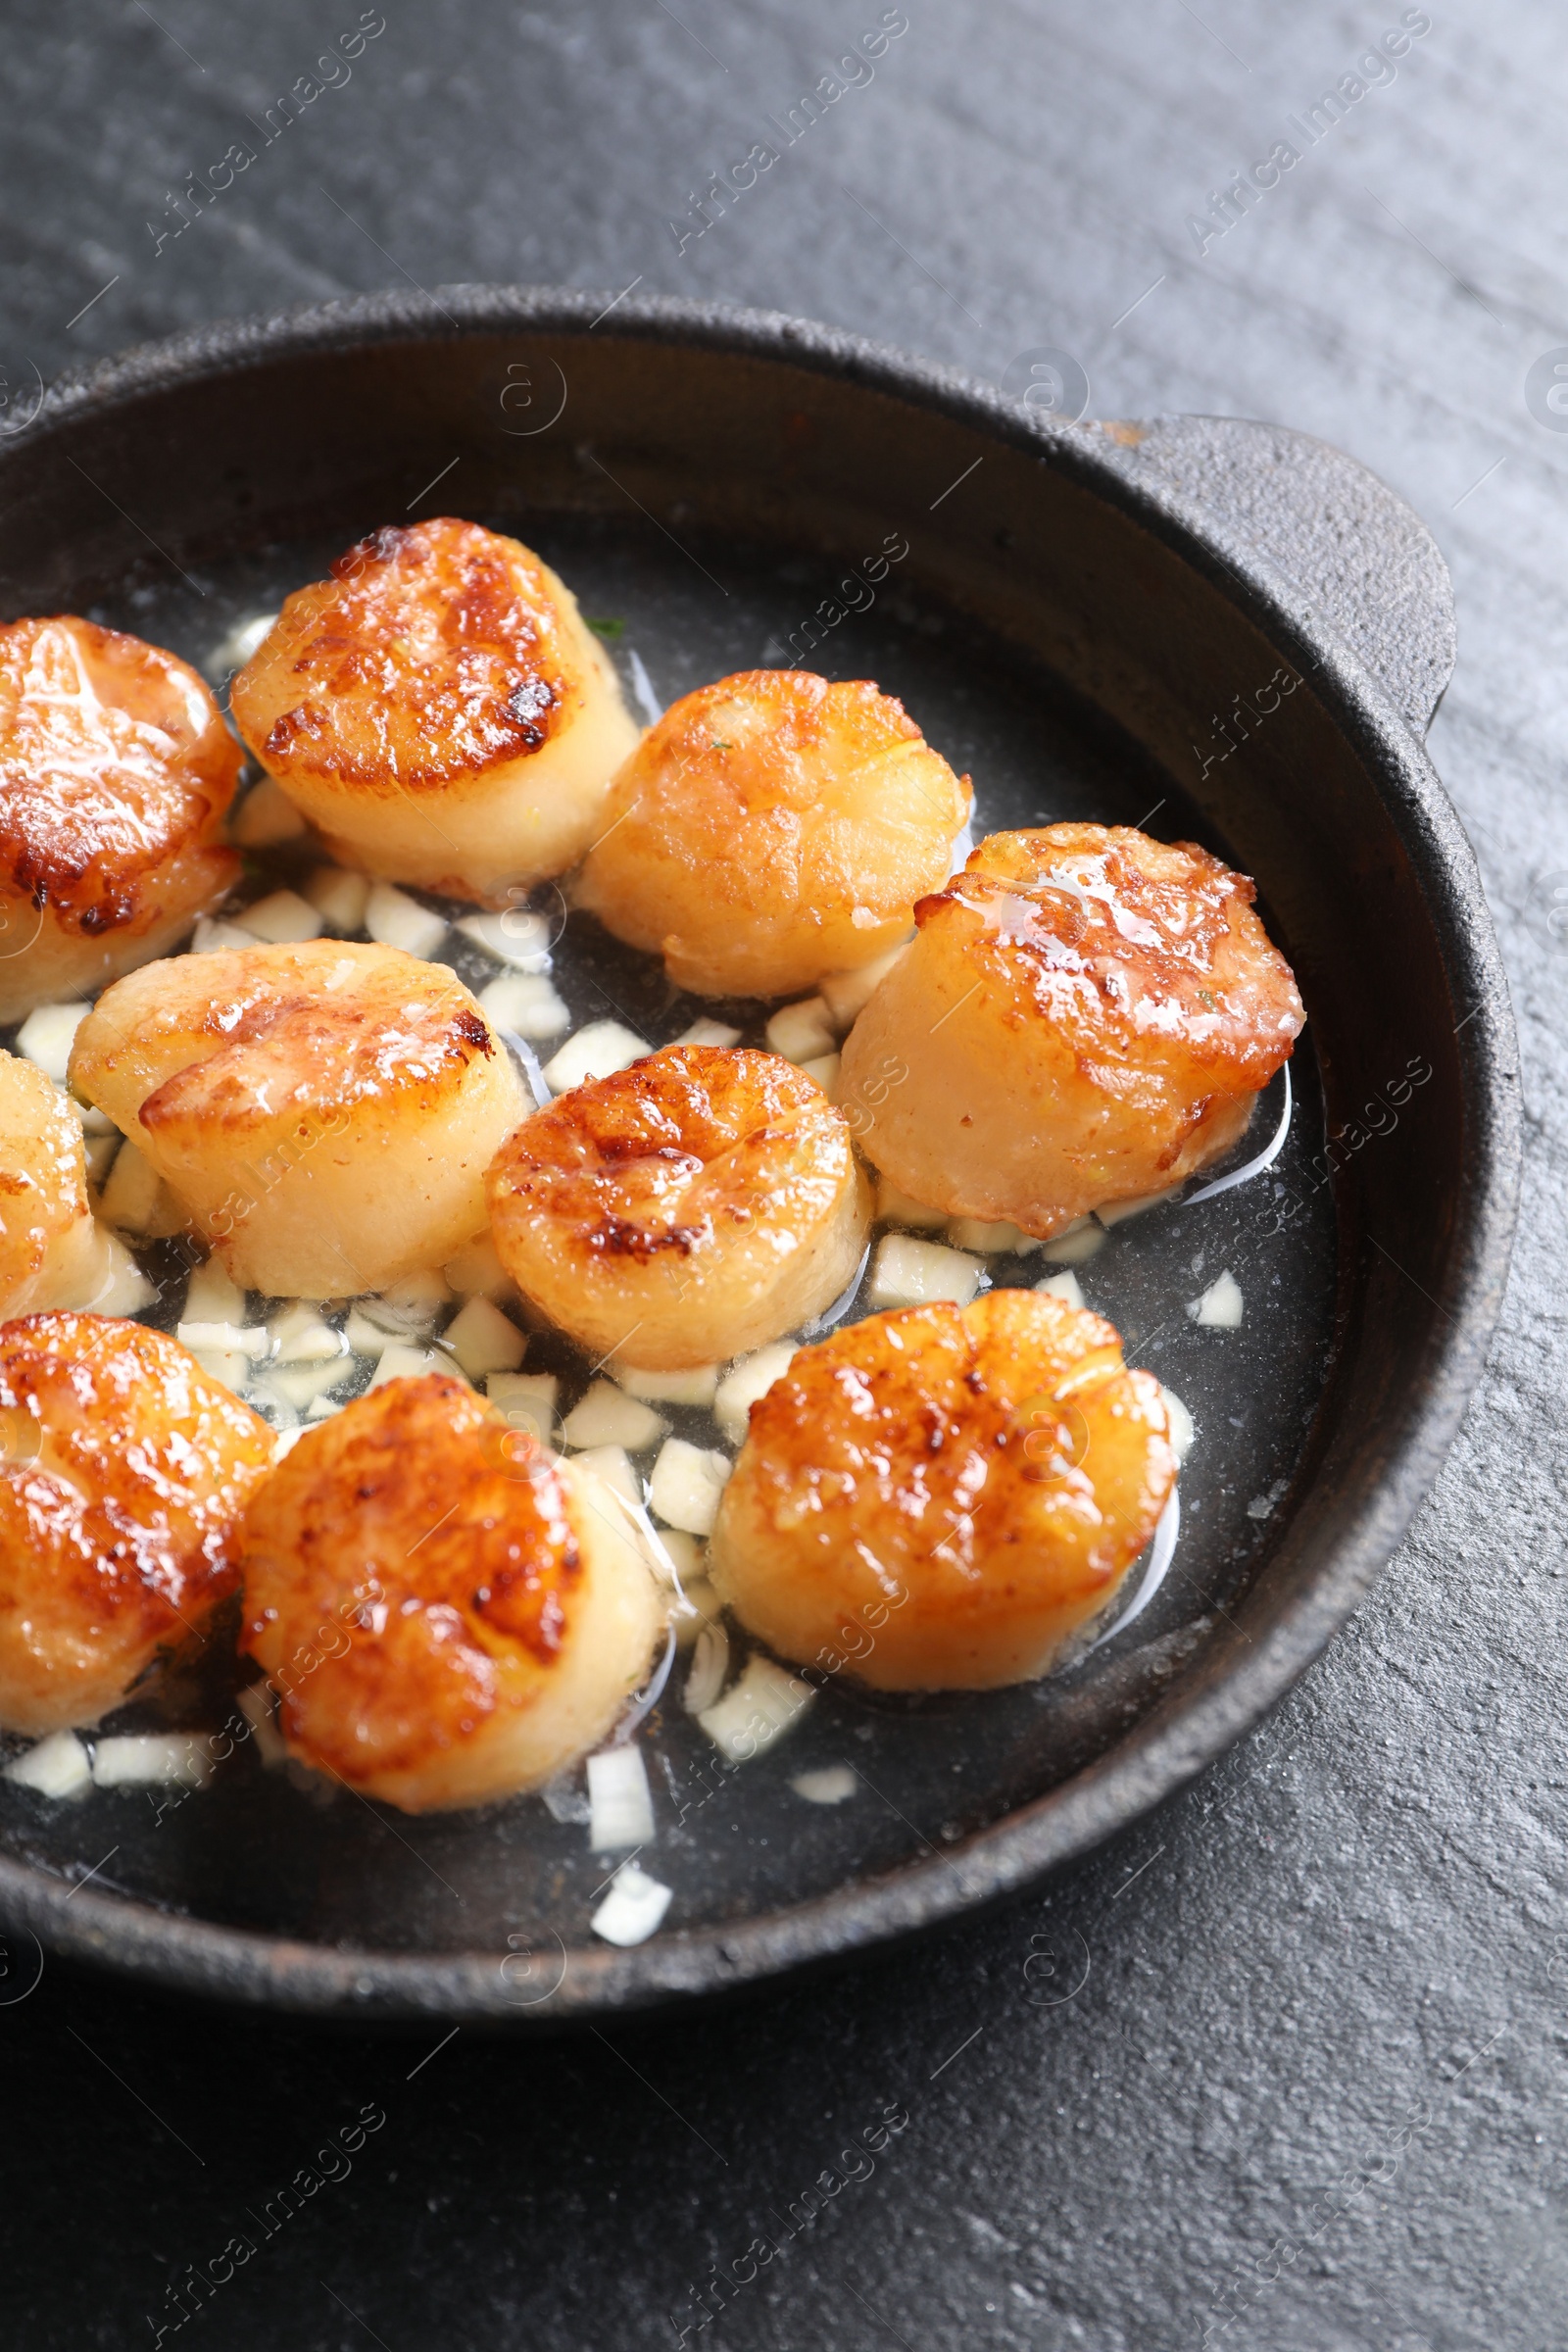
608,628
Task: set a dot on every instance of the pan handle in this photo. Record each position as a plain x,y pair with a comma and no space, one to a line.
1346,541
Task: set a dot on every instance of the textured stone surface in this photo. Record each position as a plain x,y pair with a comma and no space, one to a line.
1291,2055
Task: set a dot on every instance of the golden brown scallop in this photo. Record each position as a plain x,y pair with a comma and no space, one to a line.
1086,1015
444,1627
934,1498
125,1473
49,1246
772,829
684,1210
115,773
439,708
326,1112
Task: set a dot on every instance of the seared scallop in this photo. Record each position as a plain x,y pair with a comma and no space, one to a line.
1086,1016
684,1210
49,1246
125,1473
115,773
445,1626
935,1497
439,708
772,829
325,1112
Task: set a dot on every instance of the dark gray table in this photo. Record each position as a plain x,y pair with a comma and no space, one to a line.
1286,2069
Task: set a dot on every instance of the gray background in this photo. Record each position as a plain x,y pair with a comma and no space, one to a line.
1286,2066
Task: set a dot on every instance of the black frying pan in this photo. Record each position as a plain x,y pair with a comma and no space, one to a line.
1224,630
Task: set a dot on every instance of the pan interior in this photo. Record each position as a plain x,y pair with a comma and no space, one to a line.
257,1849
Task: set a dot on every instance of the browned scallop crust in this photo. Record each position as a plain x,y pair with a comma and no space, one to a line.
417,663
278,1053
683,1211
772,828
125,1475
430,1615
933,1499
1086,1015
439,708
115,773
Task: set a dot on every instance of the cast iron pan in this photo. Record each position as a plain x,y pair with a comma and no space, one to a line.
1225,630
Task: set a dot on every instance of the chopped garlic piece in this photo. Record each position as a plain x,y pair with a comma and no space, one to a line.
899,1209
265,817
300,1385
615,1494
1220,1306
1062,1286
831,1786
707,1033
612,1466
991,1240
476,1272
339,897
122,1287
620,1800
48,1034
762,1706
706,1607
253,1340
515,937
136,1200
607,1416
152,1758
402,1362
301,1337
847,994
596,1051
283,920
214,936
910,1273
801,1032
526,1399
686,1486
212,1295
100,1151
710,1669
525,1004
57,1767
743,1383
1076,1245
365,1336
395,920
685,1553
410,1306
632,1909
483,1341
